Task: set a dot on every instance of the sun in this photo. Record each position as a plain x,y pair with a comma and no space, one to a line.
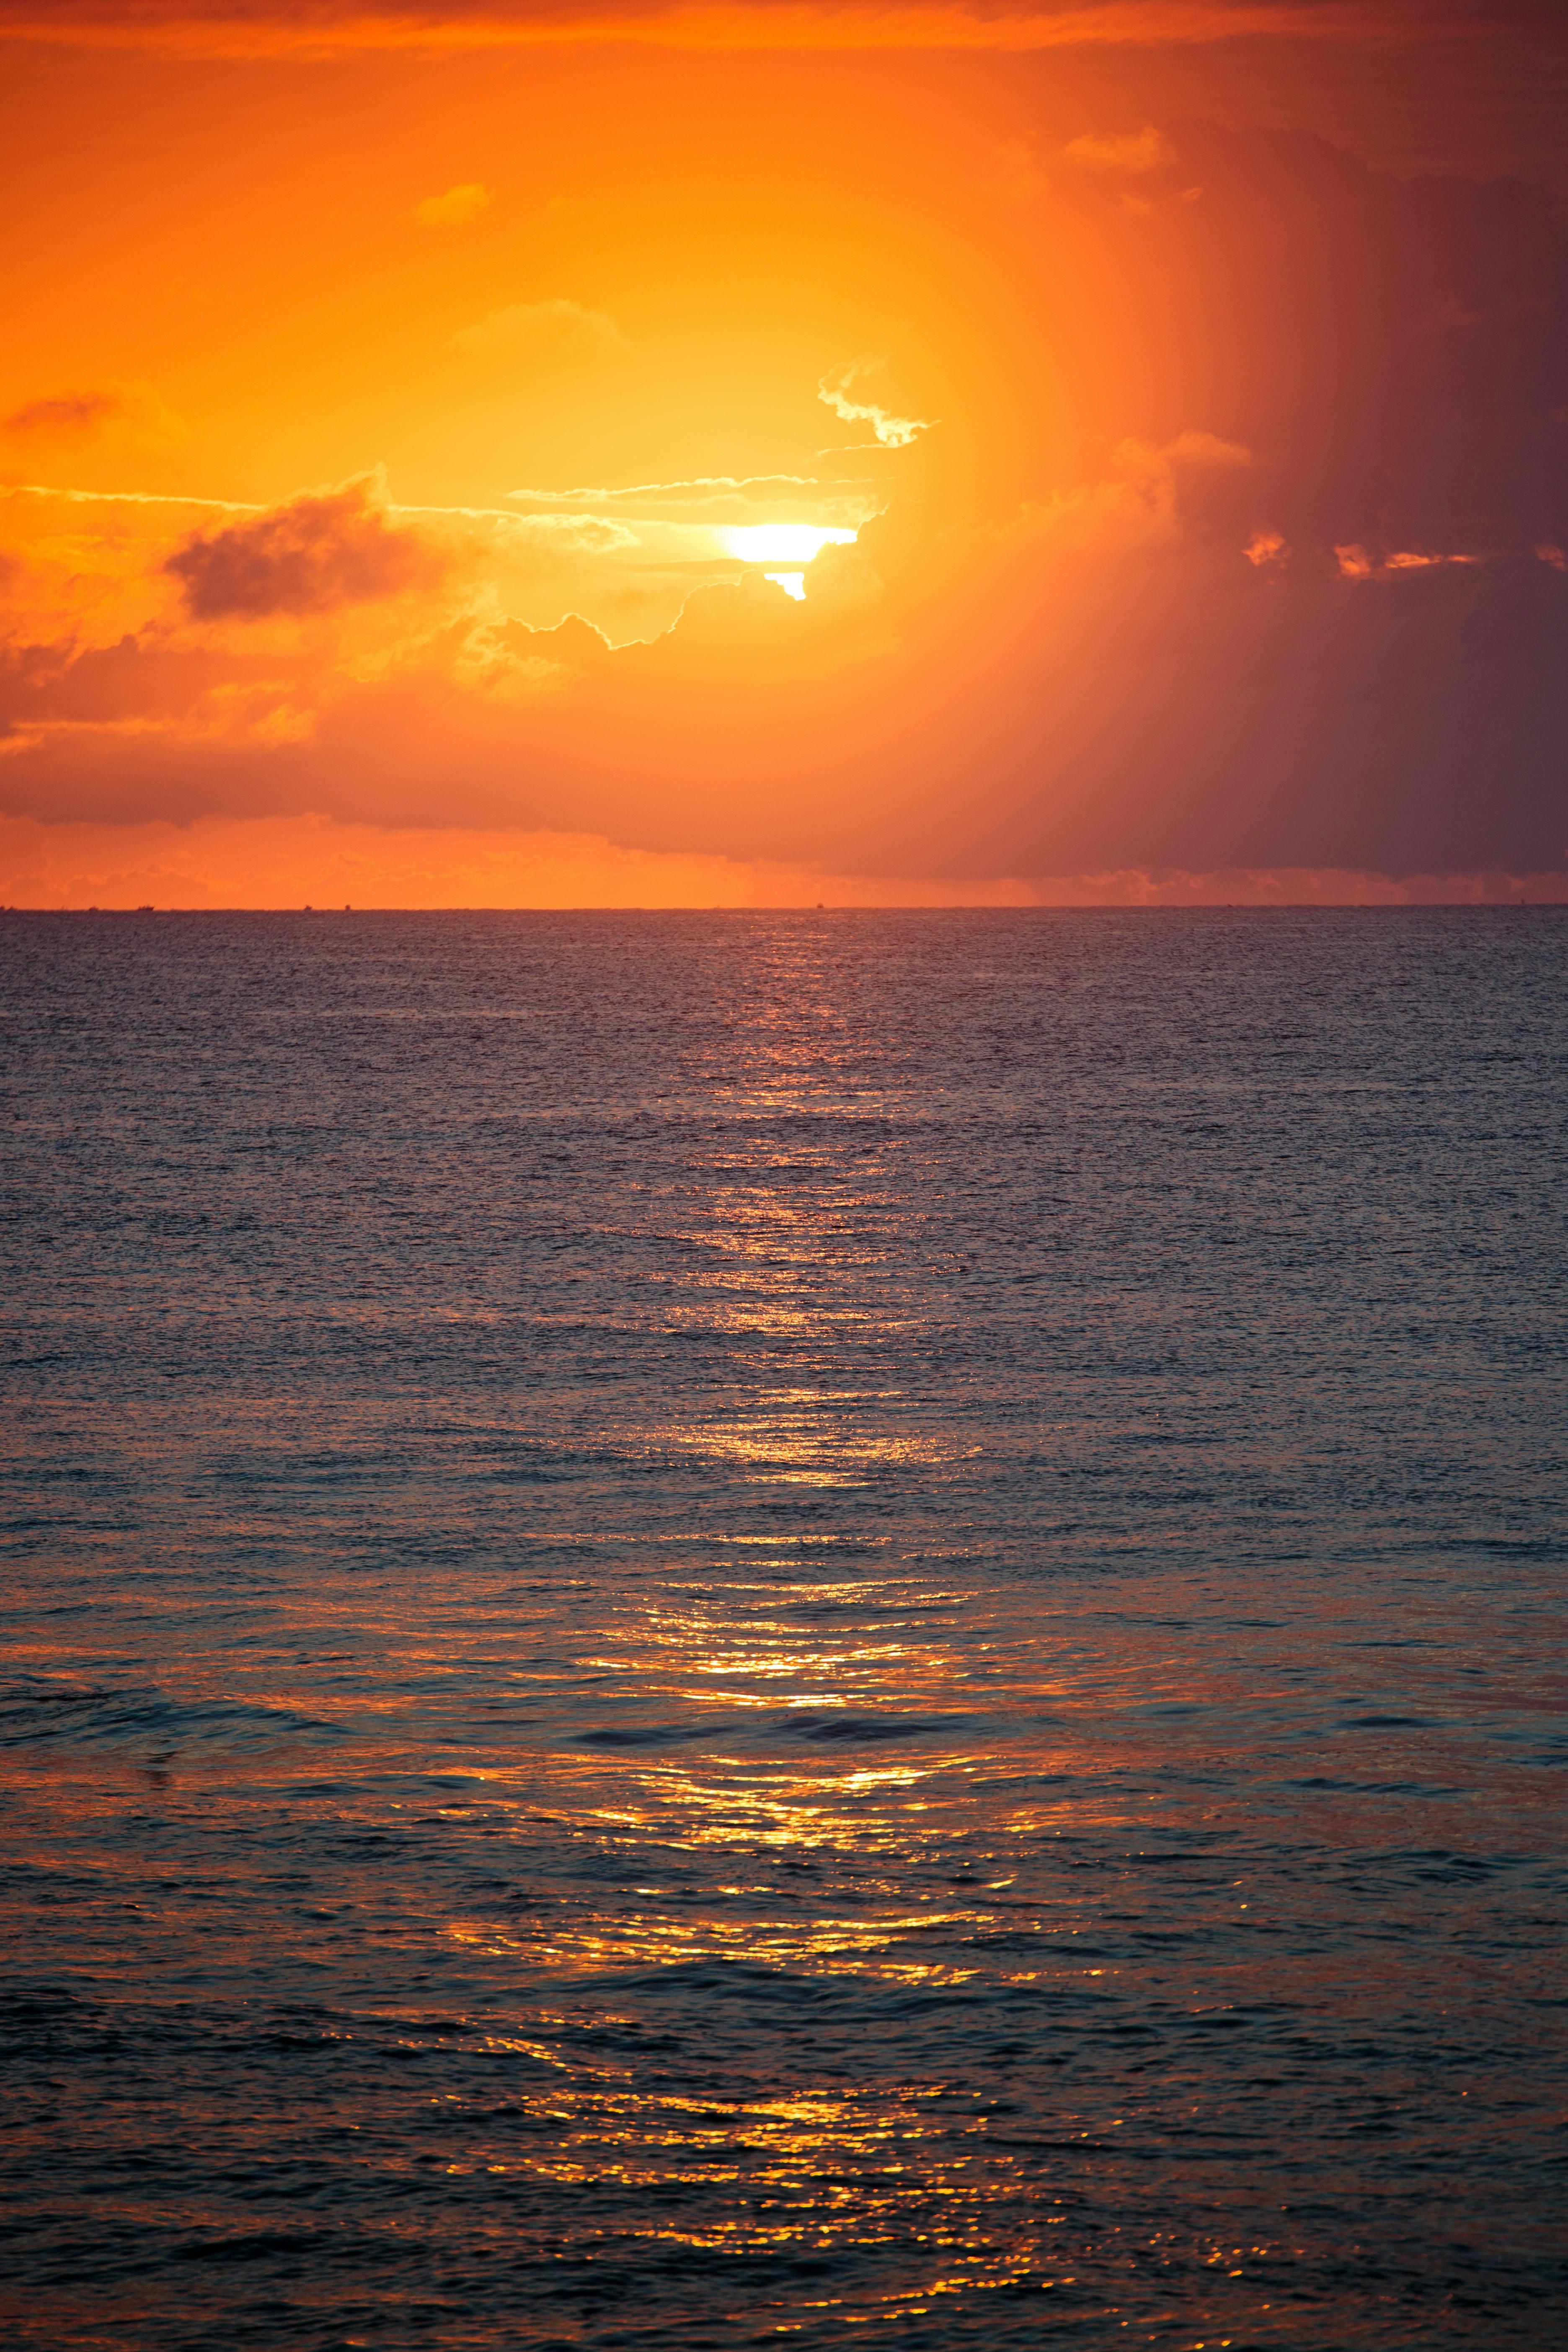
780,543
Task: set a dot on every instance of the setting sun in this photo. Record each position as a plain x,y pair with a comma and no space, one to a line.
780,542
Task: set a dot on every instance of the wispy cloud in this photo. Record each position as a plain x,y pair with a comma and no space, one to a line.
701,491
556,325
63,413
127,497
1134,150
455,208
134,414
1358,562
892,432
578,534
328,28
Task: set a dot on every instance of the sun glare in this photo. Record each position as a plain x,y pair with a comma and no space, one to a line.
780,543
791,583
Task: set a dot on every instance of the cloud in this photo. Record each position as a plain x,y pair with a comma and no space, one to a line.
555,326
1204,452
312,556
454,209
71,495
1360,563
1146,498
1136,151
575,534
328,28
63,413
131,416
701,490
1094,700
294,862
892,432
679,516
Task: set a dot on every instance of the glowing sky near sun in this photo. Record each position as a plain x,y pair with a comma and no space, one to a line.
502,452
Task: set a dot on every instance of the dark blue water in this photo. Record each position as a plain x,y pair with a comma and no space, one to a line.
734,1630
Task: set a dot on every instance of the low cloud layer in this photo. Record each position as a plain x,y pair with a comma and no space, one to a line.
319,863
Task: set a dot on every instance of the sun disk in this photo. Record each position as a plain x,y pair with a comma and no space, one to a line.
780,543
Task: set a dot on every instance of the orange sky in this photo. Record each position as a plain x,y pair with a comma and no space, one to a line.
385,380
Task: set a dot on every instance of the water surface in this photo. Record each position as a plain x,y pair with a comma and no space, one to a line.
751,1629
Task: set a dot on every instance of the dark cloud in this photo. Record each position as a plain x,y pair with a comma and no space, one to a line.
1393,353
63,412
312,556
1215,713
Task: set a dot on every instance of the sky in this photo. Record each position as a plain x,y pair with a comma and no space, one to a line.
529,453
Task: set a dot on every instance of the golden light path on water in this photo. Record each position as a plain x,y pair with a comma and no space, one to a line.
854,2164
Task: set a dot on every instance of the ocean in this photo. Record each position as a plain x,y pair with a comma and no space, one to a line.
736,1629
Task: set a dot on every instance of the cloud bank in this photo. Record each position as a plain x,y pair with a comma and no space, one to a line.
318,863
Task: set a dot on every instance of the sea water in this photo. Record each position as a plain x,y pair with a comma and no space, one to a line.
785,1629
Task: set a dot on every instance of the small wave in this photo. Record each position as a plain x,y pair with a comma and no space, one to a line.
143,1719
864,1728
649,1735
